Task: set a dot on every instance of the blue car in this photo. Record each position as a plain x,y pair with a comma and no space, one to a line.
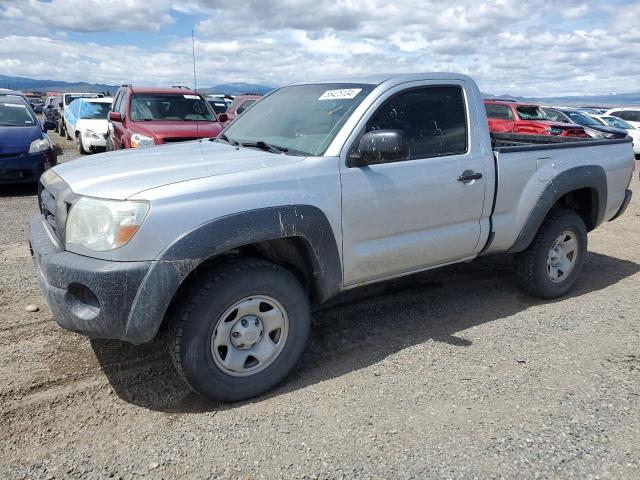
25,149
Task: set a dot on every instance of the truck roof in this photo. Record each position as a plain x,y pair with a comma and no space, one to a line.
164,90
392,78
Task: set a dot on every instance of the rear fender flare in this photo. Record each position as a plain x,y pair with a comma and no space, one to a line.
586,176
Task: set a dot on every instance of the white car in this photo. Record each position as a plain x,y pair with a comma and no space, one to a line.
87,122
628,114
633,132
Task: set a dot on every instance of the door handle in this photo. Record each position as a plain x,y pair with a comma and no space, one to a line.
469,175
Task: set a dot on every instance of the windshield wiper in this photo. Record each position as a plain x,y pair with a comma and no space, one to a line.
269,147
224,138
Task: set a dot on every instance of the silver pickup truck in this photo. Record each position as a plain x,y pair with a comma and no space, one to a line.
224,244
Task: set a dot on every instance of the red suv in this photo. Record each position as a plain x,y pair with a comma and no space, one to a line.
511,117
145,116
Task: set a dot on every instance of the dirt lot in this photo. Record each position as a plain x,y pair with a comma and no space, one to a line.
449,374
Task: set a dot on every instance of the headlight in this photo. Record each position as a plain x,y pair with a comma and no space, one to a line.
102,225
91,134
39,145
138,141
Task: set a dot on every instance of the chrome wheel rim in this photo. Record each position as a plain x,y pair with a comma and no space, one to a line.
562,257
249,335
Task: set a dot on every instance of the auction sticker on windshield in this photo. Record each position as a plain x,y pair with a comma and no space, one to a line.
340,94
192,97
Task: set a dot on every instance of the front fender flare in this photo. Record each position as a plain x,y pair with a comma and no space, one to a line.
226,233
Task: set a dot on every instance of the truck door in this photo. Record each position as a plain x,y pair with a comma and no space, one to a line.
405,216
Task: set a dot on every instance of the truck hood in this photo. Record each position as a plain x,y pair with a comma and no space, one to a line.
121,174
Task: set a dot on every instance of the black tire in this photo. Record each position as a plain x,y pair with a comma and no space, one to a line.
79,145
531,265
56,128
196,316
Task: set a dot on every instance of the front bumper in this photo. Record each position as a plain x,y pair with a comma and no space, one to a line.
97,298
99,142
25,168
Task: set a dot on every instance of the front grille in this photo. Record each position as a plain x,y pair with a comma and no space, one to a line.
179,139
11,155
48,207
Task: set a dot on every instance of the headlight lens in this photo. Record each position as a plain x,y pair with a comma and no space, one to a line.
91,134
139,141
103,225
39,145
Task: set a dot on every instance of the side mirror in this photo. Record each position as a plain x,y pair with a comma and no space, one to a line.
223,117
48,125
381,146
115,116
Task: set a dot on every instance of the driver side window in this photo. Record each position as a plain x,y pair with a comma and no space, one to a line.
432,118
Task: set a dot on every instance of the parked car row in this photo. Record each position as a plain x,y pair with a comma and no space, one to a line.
139,117
509,117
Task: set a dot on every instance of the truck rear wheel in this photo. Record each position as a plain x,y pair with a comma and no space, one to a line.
551,265
241,330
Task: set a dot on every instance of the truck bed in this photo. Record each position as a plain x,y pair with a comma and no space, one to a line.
513,142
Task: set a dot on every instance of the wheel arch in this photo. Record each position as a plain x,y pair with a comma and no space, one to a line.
296,237
581,189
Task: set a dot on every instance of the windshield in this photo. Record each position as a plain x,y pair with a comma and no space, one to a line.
531,112
94,110
302,118
169,107
617,122
582,119
16,115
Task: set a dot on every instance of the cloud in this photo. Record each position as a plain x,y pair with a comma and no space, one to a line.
90,15
537,47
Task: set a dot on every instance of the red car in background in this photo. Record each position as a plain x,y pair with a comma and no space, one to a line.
145,116
526,119
239,105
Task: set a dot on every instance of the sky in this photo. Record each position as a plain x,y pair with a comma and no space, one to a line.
532,48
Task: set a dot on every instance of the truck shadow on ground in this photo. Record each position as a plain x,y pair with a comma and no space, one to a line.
361,328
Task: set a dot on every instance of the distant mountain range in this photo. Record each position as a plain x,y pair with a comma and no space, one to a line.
33,85
604,100
30,84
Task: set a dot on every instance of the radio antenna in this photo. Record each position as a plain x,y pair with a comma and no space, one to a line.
193,52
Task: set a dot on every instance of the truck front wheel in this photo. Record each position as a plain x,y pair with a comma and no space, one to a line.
241,330
551,265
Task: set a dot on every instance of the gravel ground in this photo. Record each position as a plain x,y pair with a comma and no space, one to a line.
449,374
